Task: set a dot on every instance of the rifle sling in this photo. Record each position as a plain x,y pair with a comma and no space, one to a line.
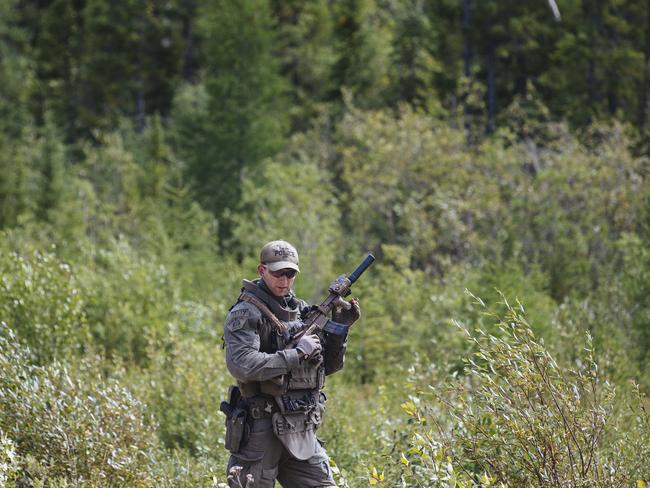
266,311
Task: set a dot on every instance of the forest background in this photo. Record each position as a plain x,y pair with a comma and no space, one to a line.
149,148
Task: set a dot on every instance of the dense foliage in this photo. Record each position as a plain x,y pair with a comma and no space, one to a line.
149,149
520,419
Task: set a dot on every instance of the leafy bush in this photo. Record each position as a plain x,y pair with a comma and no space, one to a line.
292,199
414,182
411,181
519,419
8,460
361,425
400,318
635,285
129,296
407,314
42,298
183,386
77,428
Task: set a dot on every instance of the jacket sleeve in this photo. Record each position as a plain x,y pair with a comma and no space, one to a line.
243,357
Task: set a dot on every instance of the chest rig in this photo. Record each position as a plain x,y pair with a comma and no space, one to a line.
299,389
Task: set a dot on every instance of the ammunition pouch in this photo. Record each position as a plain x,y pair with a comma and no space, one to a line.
273,387
306,377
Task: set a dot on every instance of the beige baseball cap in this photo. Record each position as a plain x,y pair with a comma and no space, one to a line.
279,255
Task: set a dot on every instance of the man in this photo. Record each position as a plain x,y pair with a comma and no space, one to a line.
277,407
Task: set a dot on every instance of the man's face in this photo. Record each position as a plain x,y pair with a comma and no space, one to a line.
279,282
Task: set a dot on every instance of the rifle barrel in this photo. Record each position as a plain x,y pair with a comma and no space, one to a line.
354,276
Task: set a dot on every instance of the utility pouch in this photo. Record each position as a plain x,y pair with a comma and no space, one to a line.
296,433
304,377
237,430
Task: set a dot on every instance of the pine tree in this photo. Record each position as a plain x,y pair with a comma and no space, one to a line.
16,75
307,55
59,44
596,67
131,60
51,170
14,174
99,61
363,37
16,71
247,109
414,61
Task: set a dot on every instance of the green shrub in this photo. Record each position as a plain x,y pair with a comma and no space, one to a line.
411,181
181,469
399,318
183,386
292,199
76,428
8,460
519,419
634,284
513,280
42,299
362,423
129,297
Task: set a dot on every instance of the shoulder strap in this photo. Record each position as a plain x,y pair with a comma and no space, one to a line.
252,299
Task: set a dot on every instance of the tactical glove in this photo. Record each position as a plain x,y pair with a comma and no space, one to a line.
347,317
309,346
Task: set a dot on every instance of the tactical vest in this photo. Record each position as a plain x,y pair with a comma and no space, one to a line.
299,403
278,323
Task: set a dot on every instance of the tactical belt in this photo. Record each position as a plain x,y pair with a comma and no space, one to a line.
261,408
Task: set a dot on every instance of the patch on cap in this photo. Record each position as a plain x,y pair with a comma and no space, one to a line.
279,255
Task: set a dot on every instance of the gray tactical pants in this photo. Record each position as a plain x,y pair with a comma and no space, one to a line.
264,457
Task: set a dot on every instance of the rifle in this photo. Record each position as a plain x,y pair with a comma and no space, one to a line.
317,319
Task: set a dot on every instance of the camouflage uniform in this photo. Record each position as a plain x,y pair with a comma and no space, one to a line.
281,392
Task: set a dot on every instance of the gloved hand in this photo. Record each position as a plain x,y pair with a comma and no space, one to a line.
347,317
309,346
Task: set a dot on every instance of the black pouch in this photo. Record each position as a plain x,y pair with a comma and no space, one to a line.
237,430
